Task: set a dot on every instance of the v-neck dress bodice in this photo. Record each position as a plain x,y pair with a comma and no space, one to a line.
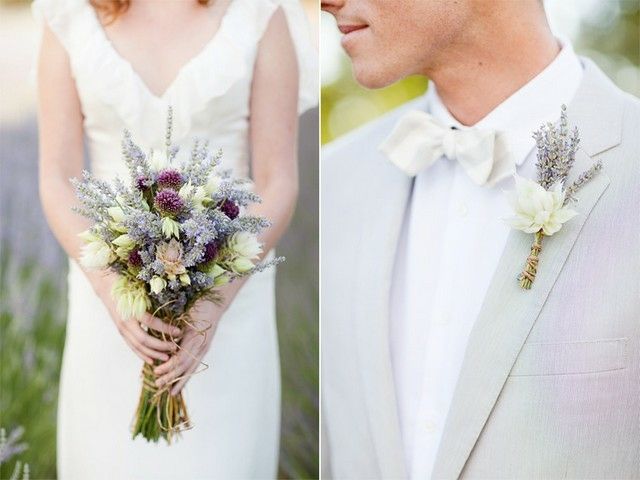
235,403
210,94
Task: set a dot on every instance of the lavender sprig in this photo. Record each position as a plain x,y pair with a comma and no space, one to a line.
556,152
584,177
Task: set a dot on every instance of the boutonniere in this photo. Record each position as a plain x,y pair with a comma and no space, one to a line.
541,207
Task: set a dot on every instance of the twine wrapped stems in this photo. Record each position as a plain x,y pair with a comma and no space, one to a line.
528,275
159,414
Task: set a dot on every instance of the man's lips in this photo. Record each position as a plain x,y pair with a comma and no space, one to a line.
345,29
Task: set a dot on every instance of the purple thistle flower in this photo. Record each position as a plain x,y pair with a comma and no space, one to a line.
168,201
143,182
134,258
210,251
230,209
170,179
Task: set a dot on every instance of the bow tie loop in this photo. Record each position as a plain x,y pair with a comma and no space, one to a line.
419,140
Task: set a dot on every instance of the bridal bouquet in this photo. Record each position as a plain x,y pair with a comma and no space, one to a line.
174,234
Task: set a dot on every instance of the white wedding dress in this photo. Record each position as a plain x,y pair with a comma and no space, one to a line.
235,403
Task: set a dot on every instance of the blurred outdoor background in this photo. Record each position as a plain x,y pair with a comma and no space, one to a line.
33,273
607,31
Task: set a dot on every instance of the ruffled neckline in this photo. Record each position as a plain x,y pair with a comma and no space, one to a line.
197,82
222,62
204,52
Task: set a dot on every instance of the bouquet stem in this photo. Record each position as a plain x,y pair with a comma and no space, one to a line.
528,275
159,414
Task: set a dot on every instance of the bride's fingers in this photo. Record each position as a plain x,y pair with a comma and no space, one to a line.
166,366
187,374
181,364
154,343
136,350
179,368
153,353
137,337
158,325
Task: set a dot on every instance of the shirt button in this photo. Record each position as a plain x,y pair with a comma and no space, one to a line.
463,210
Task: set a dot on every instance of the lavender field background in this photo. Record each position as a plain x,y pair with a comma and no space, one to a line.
33,281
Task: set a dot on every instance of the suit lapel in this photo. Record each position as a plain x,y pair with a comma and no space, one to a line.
384,206
508,312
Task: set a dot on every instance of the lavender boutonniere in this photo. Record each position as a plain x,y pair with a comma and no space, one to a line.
541,207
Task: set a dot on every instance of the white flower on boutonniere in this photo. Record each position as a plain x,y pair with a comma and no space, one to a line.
537,209
541,207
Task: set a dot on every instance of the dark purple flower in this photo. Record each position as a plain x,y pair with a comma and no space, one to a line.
230,209
143,182
168,201
134,258
210,251
170,179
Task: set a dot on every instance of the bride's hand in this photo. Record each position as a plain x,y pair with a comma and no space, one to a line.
147,347
193,347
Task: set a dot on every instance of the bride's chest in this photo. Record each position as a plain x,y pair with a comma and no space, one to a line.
109,109
211,92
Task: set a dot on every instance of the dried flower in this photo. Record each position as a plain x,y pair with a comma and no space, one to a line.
170,228
116,213
210,251
245,244
169,179
230,209
247,248
135,260
143,182
131,297
196,195
95,253
157,284
170,254
538,209
169,202
159,160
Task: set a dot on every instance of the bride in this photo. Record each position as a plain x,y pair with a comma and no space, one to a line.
237,73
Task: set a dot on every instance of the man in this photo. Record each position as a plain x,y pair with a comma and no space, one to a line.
436,362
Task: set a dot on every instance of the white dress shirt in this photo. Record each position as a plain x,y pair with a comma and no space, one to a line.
452,238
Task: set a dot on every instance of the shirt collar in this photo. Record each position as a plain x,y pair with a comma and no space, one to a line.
534,104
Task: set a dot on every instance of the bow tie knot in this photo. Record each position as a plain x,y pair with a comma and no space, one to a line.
418,140
449,143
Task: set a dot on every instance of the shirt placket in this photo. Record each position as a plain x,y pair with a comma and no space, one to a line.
432,409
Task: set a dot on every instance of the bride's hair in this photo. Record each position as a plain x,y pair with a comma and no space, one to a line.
112,9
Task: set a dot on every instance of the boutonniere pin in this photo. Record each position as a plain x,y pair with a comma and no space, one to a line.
541,207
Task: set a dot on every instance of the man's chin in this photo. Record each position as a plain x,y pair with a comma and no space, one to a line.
373,78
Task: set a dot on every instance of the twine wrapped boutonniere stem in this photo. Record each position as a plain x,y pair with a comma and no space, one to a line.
541,207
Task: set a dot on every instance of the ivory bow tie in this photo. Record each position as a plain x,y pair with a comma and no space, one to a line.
418,140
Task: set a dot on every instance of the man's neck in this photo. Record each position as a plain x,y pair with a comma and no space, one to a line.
479,76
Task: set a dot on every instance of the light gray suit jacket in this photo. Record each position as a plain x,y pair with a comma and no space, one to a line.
550,385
